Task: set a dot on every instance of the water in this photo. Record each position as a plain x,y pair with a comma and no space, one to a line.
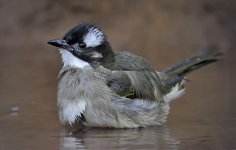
202,119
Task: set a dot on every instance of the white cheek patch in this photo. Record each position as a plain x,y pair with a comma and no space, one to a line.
94,37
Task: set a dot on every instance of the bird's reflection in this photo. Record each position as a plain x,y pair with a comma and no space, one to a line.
71,143
98,138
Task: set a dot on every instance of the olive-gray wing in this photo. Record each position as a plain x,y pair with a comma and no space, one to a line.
127,61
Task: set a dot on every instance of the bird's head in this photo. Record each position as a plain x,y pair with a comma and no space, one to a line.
85,44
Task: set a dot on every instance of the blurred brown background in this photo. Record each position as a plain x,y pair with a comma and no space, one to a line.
163,31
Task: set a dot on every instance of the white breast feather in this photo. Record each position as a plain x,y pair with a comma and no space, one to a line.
72,111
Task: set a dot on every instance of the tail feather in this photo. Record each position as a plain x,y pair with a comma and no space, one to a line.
175,76
193,63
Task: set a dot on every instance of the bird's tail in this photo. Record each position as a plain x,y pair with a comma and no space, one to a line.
175,76
187,66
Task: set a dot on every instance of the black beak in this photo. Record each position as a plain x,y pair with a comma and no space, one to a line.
61,44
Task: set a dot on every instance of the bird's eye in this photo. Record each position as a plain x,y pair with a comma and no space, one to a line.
82,45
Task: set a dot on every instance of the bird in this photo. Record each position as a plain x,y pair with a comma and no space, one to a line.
99,87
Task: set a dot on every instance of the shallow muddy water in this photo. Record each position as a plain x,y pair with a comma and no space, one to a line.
204,118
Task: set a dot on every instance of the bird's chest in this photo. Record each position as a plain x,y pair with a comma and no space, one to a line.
75,82
76,89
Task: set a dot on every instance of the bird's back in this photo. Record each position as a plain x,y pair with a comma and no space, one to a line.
127,61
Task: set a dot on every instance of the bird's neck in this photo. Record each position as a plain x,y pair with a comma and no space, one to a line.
107,53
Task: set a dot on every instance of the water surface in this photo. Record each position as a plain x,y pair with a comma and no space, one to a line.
204,118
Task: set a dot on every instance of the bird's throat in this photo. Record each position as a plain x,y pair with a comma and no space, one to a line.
69,59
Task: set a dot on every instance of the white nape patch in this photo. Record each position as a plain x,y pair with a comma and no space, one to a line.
174,93
70,60
72,111
94,37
